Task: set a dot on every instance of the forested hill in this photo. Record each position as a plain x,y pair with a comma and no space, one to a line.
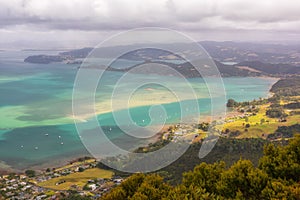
287,87
268,68
276,177
232,59
244,69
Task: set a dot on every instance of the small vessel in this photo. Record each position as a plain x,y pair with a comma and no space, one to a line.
62,143
46,134
59,136
36,148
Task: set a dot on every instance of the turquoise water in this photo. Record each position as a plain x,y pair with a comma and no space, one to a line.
36,126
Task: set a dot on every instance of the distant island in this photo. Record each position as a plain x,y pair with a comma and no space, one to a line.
231,59
43,59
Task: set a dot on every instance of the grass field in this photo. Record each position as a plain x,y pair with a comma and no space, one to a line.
79,179
75,164
258,129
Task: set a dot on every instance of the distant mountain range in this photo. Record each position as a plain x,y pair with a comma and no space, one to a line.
242,51
243,69
246,59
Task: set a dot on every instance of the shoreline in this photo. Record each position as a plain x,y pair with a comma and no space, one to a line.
64,161
105,108
59,162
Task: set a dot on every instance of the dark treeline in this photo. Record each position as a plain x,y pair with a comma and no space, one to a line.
228,150
287,87
277,176
285,132
295,105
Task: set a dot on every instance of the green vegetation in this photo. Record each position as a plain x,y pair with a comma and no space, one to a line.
228,150
276,177
30,173
285,132
276,112
292,105
231,103
271,69
287,87
76,197
260,125
75,163
263,117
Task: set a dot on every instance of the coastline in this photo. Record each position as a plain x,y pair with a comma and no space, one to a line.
61,162
270,94
58,162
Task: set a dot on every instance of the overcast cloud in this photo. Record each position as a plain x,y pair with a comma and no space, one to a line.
84,22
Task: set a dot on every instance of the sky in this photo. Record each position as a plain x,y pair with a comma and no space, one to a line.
79,23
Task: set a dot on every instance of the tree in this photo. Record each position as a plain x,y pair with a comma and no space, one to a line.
80,169
280,189
276,112
139,196
282,162
231,103
191,192
76,197
242,178
30,173
203,126
140,186
153,187
277,177
116,193
204,176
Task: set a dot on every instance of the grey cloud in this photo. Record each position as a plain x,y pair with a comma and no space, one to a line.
77,20
117,14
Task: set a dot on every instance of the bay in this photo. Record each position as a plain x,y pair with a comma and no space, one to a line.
36,124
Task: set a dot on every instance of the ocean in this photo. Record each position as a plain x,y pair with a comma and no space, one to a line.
36,124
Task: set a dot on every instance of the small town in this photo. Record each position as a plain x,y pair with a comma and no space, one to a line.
59,183
56,184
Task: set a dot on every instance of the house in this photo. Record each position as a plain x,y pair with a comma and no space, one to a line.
178,133
41,197
165,136
92,186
